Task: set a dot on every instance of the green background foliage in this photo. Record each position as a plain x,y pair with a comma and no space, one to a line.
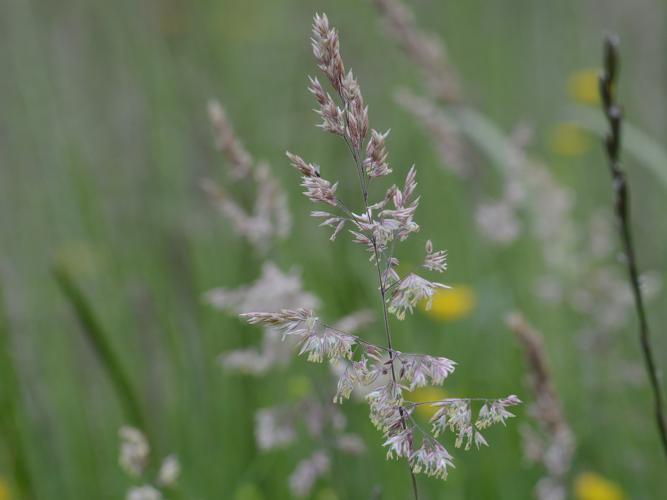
104,139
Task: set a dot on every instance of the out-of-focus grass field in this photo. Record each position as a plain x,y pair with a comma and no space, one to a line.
104,139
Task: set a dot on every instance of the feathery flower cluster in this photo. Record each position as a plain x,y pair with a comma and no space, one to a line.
273,289
274,428
456,415
133,459
134,450
432,459
375,162
240,161
444,131
317,189
378,227
431,55
422,370
278,426
317,343
435,261
270,217
409,291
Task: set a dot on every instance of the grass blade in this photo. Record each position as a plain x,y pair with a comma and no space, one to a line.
98,339
10,413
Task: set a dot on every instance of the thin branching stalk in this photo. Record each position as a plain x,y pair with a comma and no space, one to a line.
10,413
364,181
363,184
385,370
614,114
385,317
262,226
98,338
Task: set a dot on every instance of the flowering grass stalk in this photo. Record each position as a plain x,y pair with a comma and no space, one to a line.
552,444
614,114
277,426
269,219
378,227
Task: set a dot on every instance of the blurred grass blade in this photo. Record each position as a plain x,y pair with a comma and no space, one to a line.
486,135
646,151
10,413
98,339
494,142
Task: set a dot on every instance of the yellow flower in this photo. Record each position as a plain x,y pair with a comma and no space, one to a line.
426,394
582,86
451,303
568,139
592,486
4,489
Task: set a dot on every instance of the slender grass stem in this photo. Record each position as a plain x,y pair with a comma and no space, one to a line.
613,113
99,340
376,257
385,316
10,413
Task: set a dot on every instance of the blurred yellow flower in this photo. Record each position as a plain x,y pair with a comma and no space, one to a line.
582,86
451,303
426,394
568,139
592,486
4,489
